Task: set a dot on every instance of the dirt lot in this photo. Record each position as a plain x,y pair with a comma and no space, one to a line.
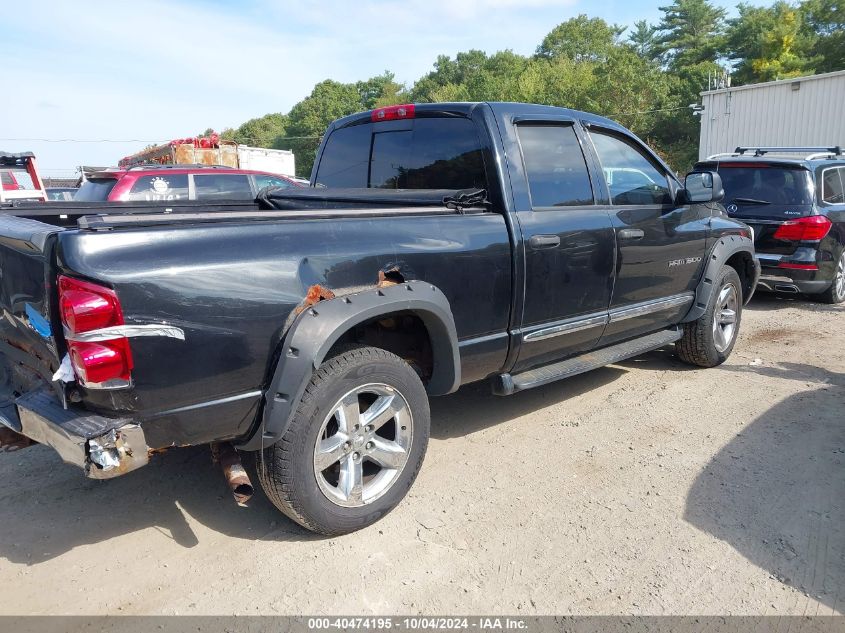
646,487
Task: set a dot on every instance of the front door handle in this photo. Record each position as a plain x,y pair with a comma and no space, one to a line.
544,241
631,234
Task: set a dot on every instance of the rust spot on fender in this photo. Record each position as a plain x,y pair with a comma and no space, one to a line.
390,277
315,294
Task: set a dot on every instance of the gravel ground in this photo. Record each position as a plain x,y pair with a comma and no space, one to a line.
642,488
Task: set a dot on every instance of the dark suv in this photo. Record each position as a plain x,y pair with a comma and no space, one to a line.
794,199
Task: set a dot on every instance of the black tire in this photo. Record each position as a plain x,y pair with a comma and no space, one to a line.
699,345
286,470
836,293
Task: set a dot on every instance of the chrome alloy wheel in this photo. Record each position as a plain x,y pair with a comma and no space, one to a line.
724,319
839,278
363,445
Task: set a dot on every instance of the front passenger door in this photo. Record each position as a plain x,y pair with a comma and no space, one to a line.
660,245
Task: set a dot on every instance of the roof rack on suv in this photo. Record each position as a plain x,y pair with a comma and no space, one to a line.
816,152
178,166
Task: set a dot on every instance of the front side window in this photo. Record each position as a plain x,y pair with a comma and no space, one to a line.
833,186
165,187
555,166
262,181
223,187
631,177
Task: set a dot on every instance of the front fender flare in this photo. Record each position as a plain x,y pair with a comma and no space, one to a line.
319,327
725,248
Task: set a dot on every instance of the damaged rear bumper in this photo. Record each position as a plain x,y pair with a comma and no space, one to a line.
102,447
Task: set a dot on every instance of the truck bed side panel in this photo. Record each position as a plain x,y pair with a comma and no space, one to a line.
233,288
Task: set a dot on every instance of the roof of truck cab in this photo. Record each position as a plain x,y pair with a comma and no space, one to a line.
466,108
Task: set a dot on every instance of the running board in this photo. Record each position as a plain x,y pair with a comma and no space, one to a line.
506,384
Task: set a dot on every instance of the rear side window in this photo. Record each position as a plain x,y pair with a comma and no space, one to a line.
159,188
435,153
631,176
95,190
223,187
833,186
555,165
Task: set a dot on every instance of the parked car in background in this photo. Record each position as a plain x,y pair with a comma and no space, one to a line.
60,194
794,199
19,179
166,183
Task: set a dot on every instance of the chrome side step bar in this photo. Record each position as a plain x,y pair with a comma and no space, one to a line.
507,384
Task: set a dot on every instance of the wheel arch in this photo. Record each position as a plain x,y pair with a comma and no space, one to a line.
736,251
319,328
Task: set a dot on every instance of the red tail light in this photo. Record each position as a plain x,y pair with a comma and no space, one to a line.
810,229
86,307
392,113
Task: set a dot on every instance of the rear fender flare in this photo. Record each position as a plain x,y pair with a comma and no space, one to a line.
725,248
318,328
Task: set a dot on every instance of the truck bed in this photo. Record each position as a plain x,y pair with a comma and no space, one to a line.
271,204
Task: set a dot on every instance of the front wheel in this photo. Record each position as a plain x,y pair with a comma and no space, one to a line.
709,340
354,446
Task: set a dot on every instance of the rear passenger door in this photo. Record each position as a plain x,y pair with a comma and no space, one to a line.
660,245
568,243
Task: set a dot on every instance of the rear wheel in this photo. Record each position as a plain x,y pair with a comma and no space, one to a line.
709,340
836,292
354,446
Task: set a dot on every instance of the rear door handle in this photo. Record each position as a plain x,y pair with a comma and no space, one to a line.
631,234
544,241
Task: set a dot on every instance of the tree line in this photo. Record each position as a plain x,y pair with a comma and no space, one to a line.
645,77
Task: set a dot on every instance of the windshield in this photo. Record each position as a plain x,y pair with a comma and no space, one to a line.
766,189
95,190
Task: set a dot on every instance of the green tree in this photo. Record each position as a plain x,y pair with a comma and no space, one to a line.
265,131
379,91
581,39
644,40
769,43
308,119
691,32
826,21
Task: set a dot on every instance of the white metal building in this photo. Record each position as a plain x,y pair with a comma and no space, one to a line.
807,111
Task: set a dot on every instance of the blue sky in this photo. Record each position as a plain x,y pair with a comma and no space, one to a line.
159,69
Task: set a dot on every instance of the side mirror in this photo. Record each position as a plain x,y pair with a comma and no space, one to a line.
703,186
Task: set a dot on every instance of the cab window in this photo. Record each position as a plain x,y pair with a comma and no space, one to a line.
555,166
631,176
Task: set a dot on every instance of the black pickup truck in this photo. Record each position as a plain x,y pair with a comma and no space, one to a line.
440,245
